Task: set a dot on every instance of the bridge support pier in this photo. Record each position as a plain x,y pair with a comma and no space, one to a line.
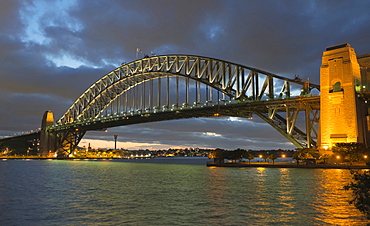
47,139
287,125
67,141
343,113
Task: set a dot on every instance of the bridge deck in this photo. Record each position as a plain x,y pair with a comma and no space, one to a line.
234,109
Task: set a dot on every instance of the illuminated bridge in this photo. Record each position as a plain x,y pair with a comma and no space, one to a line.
182,86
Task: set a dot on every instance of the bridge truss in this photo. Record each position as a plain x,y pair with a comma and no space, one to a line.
183,86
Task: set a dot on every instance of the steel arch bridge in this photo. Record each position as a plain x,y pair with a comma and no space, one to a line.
235,81
183,86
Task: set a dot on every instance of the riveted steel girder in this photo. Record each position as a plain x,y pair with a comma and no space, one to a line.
237,81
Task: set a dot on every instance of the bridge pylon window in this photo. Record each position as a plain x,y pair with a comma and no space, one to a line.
337,87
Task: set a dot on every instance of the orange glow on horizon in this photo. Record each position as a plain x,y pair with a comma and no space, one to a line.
109,144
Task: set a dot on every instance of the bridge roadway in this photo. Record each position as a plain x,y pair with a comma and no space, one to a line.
25,136
232,109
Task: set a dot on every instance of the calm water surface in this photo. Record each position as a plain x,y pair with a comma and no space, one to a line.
170,191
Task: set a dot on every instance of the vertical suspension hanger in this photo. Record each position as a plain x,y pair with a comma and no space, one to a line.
168,92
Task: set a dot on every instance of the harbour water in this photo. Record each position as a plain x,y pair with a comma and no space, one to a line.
170,191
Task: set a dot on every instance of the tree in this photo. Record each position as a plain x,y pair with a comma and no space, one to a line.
309,153
272,157
351,152
218,155
248,155
264,156
17,147
239,154
296,156
360,187
235,155
325,157
305,153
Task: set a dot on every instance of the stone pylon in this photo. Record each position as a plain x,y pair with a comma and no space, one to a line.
342,112
47,139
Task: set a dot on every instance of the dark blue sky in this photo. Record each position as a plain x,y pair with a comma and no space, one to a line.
52,51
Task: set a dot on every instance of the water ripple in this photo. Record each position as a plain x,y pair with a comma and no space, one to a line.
129,193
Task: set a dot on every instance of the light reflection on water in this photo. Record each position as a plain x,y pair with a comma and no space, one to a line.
331,197
129,193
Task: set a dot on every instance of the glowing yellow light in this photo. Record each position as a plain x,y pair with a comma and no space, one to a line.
260,156
365,156
283,156
326,147
49,117
338,157
216,114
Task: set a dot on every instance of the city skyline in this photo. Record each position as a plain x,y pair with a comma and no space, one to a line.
48,57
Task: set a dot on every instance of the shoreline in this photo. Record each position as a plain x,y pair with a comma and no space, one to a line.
40,158
277,165
94,158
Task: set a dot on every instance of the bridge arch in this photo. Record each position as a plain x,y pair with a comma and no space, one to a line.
240,83
249,90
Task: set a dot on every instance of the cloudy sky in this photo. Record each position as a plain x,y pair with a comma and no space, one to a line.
51,51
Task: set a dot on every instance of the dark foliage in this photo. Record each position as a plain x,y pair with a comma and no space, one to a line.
360,187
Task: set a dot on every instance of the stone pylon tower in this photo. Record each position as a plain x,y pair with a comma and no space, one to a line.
47,140
342,112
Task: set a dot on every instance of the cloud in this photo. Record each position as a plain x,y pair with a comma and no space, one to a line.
199,132
212,134
49,57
